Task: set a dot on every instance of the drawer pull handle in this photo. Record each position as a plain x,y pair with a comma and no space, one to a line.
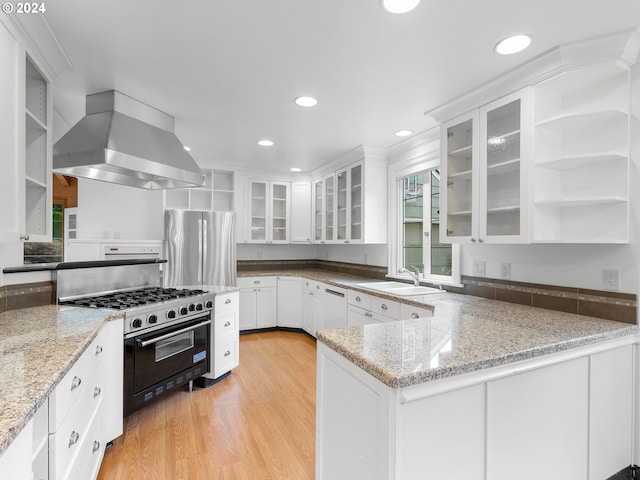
75,383
368,314
384,306
98,350
75,436
96,446
256,282
415,315
358,299
96,392
227,301
227,353
227,324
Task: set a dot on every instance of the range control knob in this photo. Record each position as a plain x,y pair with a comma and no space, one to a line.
192,307
171,314
209,304
152,319
198,307
183,310
136,323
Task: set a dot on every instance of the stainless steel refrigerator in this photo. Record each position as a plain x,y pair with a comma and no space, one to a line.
200,248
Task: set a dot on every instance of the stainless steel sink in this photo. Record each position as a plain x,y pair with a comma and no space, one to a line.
398,288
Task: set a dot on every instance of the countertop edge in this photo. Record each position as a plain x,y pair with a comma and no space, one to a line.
410,379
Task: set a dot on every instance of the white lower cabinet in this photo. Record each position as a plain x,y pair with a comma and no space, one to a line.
258,302
225,333
364,308
82,418
290,302
312,305
561,416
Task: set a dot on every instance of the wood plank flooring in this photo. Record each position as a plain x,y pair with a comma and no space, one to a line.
259,423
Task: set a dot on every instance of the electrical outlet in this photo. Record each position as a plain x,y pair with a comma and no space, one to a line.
611,280
479,269
505,271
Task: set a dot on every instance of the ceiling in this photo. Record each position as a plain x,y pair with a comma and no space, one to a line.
229,70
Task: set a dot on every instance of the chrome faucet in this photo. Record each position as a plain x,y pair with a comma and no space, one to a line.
415,276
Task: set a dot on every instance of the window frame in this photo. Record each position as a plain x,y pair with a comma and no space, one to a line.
396,254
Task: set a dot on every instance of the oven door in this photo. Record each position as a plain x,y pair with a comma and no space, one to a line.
166,352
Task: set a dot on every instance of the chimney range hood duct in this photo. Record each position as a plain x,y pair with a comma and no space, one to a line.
124,141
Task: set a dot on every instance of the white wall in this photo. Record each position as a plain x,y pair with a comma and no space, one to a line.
107,210
250,251
366,254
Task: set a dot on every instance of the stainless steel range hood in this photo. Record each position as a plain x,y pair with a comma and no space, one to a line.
124,141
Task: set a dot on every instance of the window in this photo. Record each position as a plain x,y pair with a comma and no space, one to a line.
419,229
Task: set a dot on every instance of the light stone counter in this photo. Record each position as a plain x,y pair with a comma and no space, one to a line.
465,334
37,347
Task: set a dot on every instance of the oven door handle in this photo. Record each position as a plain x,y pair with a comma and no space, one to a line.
141,343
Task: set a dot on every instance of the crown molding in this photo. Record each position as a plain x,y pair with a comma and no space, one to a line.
41,43
622,47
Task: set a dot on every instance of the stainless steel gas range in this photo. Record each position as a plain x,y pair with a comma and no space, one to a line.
167,331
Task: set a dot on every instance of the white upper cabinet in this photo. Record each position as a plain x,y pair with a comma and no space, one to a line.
581,152
350,205
268,212
485,163
301,212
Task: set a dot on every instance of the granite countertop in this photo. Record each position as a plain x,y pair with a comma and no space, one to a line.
465,334
37,347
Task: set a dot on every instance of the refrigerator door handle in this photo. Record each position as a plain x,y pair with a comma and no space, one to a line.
204,251
200,249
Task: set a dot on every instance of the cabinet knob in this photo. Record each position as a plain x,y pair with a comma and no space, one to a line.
346,241
368,314
227,324
358,299
227,353
75,383
481,240
227,301
98,349
73,439
96,392
96,446
256,282
25,237
415,315
384,307
473,240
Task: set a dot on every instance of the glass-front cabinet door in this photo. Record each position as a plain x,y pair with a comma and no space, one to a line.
318,211
279,212
460,169
356,203
341,178
504,214
329,195
258,211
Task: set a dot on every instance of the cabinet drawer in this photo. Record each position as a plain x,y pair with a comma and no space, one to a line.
226,326
227,301
90,453
377,317
226,358
408,312
312,285
358,299
252,282
388,308
65,445
72,386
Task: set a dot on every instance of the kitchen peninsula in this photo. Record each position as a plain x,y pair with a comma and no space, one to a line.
482,382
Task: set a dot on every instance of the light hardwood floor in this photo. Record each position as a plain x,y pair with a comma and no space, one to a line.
259,423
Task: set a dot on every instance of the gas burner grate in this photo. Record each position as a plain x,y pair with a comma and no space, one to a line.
133,298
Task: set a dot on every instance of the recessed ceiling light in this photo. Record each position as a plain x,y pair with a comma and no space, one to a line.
399,6
513,44
265,143
306,101
403,133
188,149
295,169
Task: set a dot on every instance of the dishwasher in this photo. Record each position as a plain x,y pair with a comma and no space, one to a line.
335,308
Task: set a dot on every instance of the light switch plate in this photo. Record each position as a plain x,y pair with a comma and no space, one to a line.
479,268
